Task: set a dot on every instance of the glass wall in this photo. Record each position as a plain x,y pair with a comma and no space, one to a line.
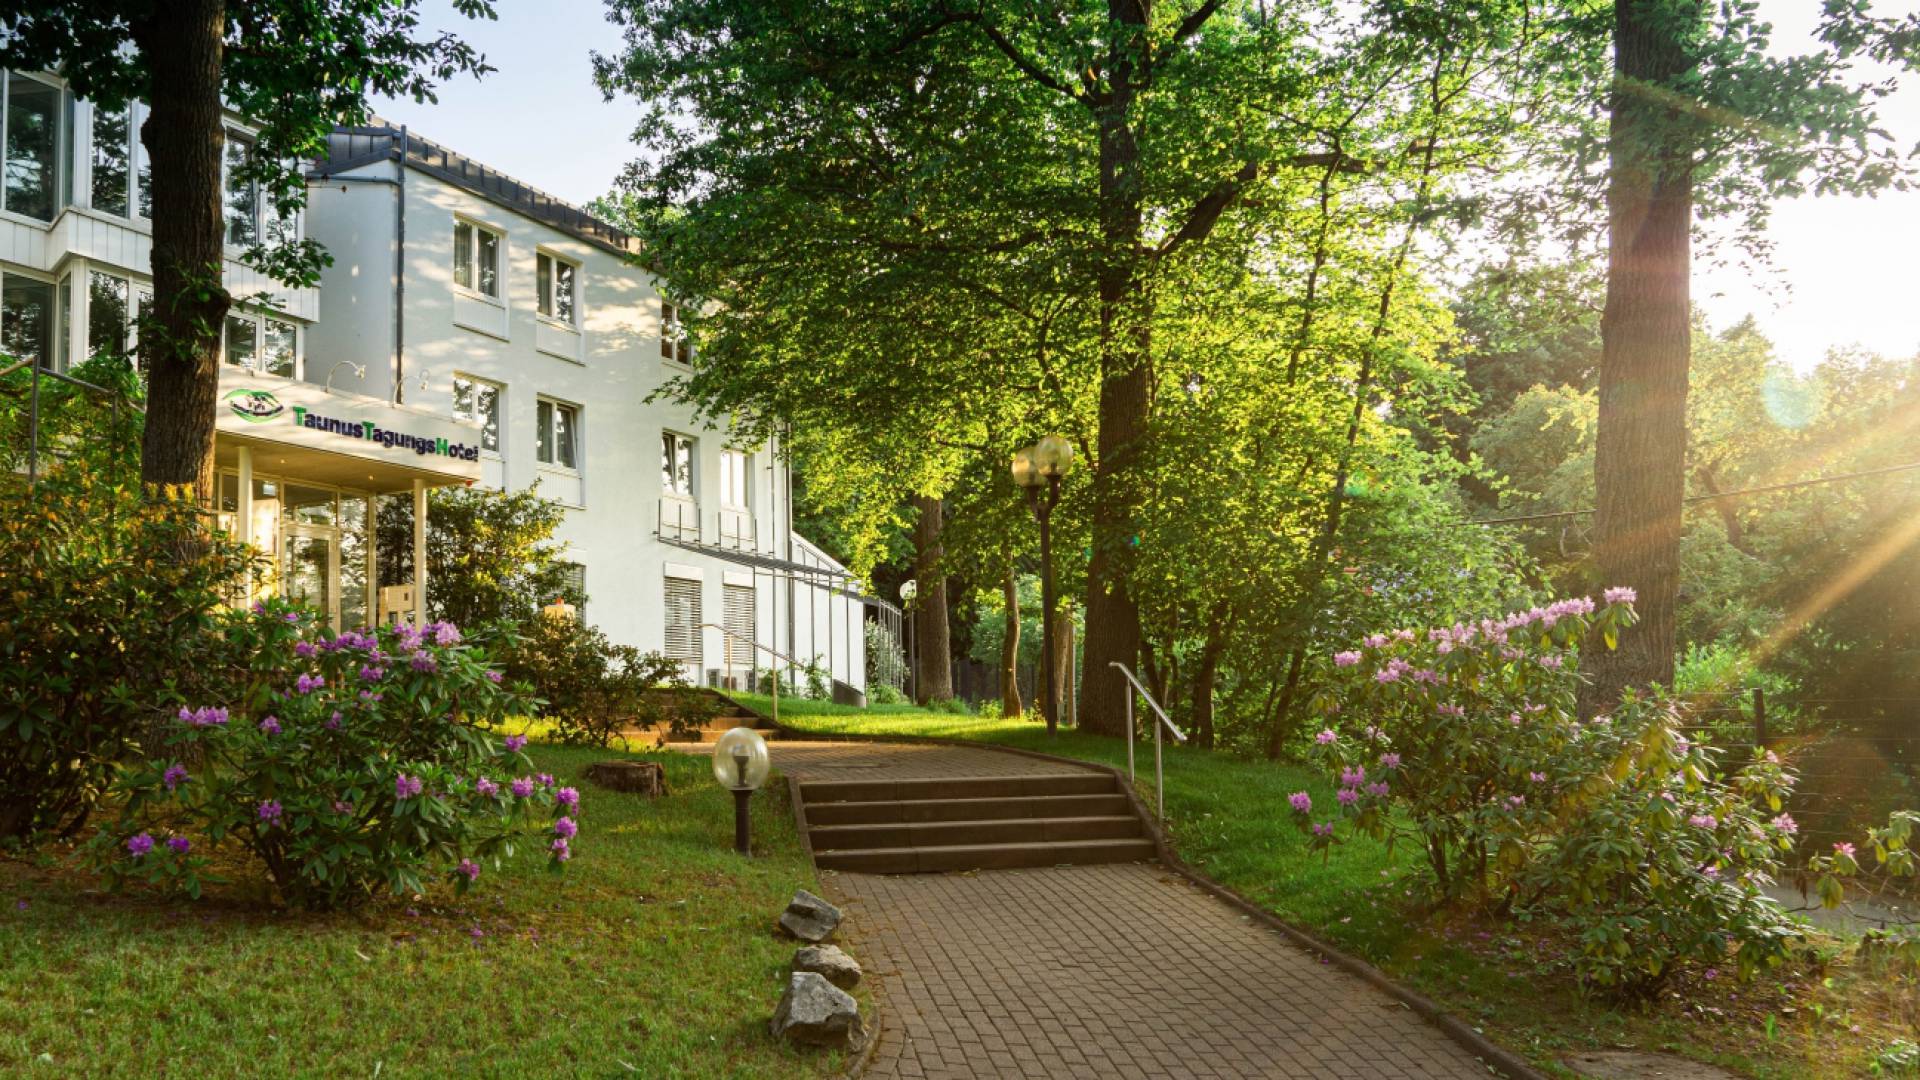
26,319
32,140
317,540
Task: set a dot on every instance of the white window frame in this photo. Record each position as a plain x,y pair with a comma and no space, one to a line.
63,189
56,347
234,135
474,415
675,348
258,320
136,114
546,301
669,484
475,229
550,406
132,287
736,492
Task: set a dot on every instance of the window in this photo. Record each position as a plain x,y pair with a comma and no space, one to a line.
573,584
673,336
32,141
737,615
478,401
556,284
242,202
476,259
281,347
676,464
734,471
558,427
112,159
243,342
109,315
26,319
683,619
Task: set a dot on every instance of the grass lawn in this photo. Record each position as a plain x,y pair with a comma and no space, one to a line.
1228,817
653,956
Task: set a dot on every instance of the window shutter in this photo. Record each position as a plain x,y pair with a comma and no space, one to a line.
737,616
683,619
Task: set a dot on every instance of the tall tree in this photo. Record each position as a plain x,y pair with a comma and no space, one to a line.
933,655
294,69
1696,93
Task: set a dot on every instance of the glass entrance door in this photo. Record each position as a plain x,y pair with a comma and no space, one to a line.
310,570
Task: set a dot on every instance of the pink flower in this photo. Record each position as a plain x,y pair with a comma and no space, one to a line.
1516,801
522,788
1378,789
1551,663
271,725
567,797
1354,776
1375,641
1389,761
1300,801
515,742
469,868
564,827
1345,659
485,786
406,787
1346,796
1537,777
1786,824
1704,821
1620,594
560,849
1387,675
1323,829
1844,848
1326,737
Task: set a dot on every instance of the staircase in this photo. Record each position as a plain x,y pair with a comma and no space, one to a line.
728,717
971,823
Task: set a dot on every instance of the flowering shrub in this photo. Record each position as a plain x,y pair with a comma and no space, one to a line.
592,689
1465,741
1893,857
345,763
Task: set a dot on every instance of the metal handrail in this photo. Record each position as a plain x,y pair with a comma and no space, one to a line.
1159,769
765,649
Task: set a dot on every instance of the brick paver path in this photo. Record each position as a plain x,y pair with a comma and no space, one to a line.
1096,971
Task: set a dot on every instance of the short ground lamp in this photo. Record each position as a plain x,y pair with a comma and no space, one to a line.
1038,470
740,763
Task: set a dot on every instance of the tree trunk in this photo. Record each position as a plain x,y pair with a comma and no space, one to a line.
933,677
1641,441
1126,382
1010,705
1062,657
1206,673
184,137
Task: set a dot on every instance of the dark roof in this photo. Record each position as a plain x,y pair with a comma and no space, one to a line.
350,148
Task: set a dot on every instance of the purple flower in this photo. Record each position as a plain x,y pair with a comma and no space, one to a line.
139,844
1389,761
1375,641
1354,776
369,673
1551,663
333,722
1326,738
424,661
515,742
446,634
1323,829
1300,801
1620,594
546,779
1345,659
291,618
494,677
469,868
485,786
565,827
1455,711
304,649
522,788
1844,848
1515,802
307,684
1346,796
567,797
1387,675
1537,777
269,811
1378,789
1786,824
342,806
406,787
271,725
179,845
1703,821
560,849
174,776
206,716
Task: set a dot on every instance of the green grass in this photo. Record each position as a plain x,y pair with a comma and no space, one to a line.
1228,817
654,955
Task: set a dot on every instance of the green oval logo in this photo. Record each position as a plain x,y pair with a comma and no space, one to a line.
254,406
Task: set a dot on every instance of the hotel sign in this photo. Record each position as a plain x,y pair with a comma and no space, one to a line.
305,415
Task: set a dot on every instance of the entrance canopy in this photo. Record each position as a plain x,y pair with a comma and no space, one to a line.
300,429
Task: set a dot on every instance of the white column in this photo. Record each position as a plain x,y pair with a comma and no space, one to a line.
419,552
244,525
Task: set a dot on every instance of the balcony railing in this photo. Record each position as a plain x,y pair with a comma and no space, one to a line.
679,520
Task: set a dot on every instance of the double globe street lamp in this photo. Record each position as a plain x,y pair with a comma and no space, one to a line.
1036,469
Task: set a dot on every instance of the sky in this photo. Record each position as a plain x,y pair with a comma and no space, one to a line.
1842,272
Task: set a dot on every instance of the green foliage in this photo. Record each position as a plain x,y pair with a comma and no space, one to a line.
886,661
491,556
1464,743
101,428
591,689
346,765
105,597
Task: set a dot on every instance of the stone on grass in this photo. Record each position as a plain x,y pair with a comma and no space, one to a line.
830,962
809,918
639,777
815,1012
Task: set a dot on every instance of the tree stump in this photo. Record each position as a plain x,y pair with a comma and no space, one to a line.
639,777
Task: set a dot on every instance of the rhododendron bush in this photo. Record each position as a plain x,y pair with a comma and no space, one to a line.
345,763
1626,835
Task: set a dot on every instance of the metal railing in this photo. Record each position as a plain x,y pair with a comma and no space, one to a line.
1165,721
752,644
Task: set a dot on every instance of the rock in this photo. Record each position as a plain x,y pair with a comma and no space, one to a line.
809,918
815,1012
638,777
830,962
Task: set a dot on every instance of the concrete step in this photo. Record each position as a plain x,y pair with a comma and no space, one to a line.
963,833
820,792
985,809
709,736
909,860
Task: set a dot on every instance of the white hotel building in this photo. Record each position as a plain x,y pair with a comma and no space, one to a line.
470,330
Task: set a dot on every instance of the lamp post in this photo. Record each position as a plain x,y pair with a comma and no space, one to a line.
1041,467
740,763
909,590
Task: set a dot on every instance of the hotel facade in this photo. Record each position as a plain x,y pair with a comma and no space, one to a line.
470,331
